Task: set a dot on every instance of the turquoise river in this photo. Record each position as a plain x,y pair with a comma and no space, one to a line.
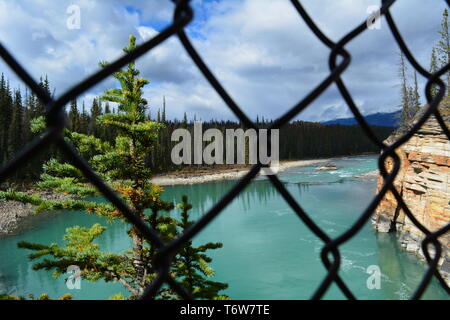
268,252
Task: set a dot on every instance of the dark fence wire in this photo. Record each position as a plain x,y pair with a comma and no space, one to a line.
183,15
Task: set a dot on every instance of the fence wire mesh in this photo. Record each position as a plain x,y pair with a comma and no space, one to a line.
330,254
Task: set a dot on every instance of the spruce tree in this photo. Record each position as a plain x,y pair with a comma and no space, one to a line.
6,110
163,116
16,128
96,111
107,108
122,165
443,46
74,116
158,116
108,134
405,95
84,119
434,67
40,106
415,98
193,265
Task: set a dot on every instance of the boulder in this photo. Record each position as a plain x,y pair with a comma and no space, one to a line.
327,166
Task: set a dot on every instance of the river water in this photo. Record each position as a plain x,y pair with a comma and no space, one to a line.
268,252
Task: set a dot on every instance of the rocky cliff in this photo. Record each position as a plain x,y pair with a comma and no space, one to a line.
424,183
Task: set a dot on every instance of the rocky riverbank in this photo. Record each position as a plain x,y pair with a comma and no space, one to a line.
16,216
371,175
424,183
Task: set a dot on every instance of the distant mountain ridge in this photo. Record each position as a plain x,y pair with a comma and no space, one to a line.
383,119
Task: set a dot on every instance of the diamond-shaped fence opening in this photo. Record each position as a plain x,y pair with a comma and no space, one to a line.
330,255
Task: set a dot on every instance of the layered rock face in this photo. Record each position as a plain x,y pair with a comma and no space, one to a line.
424,183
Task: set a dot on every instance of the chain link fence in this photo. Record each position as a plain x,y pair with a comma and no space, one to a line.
339,60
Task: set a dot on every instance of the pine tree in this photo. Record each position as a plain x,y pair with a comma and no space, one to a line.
193,264
185,119
122,164
96,111
40,106
84,119
107,133
405,95
443,46
26,132
434,67
107,108
16,129
6,114
415,98
158,116
163,117
5,105
74,116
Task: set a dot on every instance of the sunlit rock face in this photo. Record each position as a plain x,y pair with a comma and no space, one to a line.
424,183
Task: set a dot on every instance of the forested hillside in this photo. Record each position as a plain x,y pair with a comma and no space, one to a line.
298,140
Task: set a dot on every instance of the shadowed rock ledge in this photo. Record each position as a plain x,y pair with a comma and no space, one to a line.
424,183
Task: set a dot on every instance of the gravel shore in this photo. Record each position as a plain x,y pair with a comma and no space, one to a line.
16,216
224,174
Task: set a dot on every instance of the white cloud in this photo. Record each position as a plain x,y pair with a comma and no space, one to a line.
260,50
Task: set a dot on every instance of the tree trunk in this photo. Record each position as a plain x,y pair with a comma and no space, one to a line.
138,262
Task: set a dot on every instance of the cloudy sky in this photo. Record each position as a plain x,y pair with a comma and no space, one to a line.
261,51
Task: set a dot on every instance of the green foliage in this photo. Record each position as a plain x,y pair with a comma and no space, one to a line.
66,296
122,163
443,45
117,296
38,124
10,297
105,210
66,185
434,67
440,57
43,296
79,250
10,194
122,145
409,95
193,263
